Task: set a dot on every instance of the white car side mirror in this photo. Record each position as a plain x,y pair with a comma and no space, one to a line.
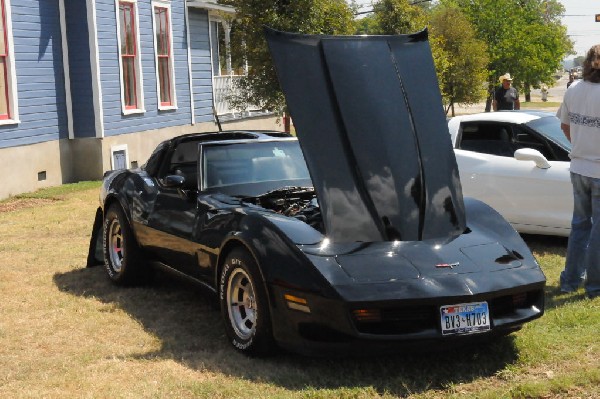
529,154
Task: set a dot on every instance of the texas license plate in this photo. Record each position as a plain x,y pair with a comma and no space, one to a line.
465,318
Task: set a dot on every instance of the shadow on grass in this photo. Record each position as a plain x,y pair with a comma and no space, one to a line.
191,332
546,245
555,298
553,245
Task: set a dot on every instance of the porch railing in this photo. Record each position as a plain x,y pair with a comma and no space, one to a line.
224,86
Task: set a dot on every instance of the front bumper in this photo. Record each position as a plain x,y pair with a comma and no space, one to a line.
332,327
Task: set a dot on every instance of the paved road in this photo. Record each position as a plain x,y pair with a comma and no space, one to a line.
555,93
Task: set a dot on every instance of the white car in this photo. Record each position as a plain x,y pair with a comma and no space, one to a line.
517,162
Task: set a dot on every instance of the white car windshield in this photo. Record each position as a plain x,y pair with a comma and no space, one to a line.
550,127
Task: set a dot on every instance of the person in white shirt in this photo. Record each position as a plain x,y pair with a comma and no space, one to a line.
579,115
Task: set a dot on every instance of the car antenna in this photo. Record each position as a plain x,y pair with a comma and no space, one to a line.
217,118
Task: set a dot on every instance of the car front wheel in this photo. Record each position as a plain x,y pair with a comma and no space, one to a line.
244,305
122,255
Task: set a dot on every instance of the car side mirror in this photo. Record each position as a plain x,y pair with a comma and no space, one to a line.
173,181
529,154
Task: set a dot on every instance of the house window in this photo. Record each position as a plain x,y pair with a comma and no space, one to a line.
164,60
8,97
131,85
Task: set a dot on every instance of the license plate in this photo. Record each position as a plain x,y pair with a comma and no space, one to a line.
465,318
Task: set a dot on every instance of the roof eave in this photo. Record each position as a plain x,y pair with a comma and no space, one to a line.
209,5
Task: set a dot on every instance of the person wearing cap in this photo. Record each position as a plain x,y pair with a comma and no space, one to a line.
579,116
506,97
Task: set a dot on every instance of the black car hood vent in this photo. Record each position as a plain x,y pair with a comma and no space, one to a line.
369,117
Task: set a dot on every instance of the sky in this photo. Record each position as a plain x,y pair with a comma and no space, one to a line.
581,25
578,18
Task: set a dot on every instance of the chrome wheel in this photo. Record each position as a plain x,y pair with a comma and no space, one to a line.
115,245
244,304
123,258
241,304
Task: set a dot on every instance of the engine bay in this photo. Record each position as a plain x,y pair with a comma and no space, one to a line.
297,202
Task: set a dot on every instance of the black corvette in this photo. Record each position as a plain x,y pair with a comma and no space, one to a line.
355,236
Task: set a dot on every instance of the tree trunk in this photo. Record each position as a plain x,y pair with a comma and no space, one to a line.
490,97
527,92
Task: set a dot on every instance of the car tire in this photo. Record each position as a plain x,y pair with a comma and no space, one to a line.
123,258
244,305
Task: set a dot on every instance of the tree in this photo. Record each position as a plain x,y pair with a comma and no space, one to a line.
367,25
398,17
524,37
392,17
578,61
261,86
462,79
460,59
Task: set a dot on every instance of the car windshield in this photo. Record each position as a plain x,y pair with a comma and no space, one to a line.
550,127
255,162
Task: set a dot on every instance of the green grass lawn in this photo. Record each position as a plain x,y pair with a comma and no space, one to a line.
67,332
540,105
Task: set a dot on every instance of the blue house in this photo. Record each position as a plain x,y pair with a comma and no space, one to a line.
92,85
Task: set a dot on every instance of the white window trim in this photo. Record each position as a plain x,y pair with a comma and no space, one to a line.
11,71
138,62
164,4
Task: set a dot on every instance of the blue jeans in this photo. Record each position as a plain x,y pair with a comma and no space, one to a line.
583,251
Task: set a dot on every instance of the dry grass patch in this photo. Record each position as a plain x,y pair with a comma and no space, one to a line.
66,331
15,204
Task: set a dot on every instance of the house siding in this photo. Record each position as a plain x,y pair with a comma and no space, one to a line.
40,75
115,123
80,69
201,65
41,150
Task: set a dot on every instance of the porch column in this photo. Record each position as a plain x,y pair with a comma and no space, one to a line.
227,30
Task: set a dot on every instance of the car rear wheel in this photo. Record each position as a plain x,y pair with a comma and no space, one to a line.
244,305
122,255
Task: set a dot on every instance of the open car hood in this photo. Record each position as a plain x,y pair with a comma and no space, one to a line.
369,118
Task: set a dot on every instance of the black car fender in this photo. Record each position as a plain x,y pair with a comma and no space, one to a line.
95,255
116,190
122,190
278,258
483,218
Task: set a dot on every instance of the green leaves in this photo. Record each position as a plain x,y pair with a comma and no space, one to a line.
330,17
473,41
524,37
460,57
398,16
